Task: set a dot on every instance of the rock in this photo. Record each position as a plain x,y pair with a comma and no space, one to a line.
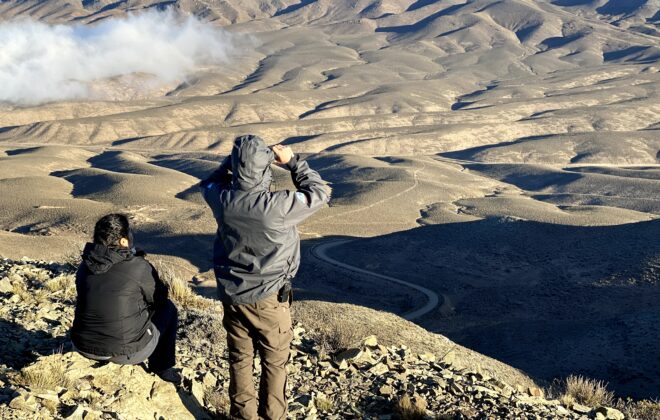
449,358
370,341
349,355
427,357
386,390
298,332
610,413
197,391
535,391
209,380
485,390
25,402
5,286
580,409
77,414
110,382
456,389
48,395
305,400
379,369
158,389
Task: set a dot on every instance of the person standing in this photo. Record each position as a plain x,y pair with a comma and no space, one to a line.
123,314
256,255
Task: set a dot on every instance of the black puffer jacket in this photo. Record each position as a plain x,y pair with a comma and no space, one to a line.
117,295
258,248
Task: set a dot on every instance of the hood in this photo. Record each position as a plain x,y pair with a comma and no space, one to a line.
99,258
250,164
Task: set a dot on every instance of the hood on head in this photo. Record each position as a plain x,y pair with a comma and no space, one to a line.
99,258
250,164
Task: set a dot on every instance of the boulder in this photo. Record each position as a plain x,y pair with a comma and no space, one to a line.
609,413
131,390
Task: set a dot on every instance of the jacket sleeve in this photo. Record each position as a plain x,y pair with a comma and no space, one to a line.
221,176
310,195
160,289
153,288
219,180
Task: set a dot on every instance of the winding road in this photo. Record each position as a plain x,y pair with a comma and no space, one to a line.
320,251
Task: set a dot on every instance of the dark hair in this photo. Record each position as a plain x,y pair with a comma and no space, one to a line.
110,229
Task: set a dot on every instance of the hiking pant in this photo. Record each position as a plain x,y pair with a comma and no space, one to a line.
264,326
160,350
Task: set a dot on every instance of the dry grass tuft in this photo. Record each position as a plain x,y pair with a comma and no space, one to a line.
218,400
331,331
336,336
32,297
74,258
48,374
585,391
180,291
66,284
323,403
411,408
20,289
641,410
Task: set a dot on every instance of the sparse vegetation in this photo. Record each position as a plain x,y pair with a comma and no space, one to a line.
20,289
323,403
217,399
330,330
73,259
50,375
336,337
180,291
411,408
585,391
65,284
641,410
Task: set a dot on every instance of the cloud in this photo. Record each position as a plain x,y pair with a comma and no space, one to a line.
42,63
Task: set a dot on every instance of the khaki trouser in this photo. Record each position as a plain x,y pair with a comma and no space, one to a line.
265,325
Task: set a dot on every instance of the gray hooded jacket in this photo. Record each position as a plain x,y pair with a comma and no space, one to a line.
257,248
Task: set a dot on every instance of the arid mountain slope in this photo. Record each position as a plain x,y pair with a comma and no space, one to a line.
483,117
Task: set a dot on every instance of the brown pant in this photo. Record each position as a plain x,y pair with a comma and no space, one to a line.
265,325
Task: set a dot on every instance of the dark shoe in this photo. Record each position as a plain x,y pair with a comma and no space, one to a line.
169,375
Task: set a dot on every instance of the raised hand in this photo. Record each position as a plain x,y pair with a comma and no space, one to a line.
283,154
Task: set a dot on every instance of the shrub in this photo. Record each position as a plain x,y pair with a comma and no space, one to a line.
331,331
411,408
47,374
20,289
65,284
323,403
180,291
336,336
589,392
218,401
641,410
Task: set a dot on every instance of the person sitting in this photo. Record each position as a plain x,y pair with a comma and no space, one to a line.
123,314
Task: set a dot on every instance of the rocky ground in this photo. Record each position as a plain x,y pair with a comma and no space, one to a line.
41,378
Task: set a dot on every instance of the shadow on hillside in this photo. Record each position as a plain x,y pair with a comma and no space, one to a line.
402,29
21,347
195,248
549,299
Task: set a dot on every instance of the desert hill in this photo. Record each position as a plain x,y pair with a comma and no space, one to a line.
505,154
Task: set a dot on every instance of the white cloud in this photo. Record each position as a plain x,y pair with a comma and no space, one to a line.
41,63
